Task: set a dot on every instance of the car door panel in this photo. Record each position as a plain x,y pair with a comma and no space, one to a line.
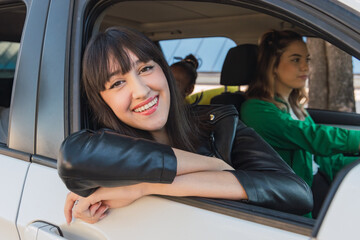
43,198
338,218
12,177
148,218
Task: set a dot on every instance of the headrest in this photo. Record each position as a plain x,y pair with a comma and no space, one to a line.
240,65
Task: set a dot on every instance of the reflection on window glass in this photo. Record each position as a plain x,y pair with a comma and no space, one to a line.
210,51
8,55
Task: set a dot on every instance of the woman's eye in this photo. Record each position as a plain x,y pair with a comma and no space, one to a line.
296,60
117,84
308,60
146,69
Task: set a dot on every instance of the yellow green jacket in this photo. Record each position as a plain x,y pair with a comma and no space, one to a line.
297,141
206,96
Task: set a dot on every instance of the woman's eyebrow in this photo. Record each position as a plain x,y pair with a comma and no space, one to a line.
114,73
298,55
110,75
295,55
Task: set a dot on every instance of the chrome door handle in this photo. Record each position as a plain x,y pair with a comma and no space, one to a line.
43,230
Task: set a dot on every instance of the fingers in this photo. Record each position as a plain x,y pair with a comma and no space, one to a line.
84,208
94,208
101,212
69,203
92,214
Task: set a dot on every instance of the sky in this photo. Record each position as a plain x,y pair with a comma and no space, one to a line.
356,66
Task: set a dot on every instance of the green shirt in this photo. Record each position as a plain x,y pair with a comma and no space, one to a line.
298,140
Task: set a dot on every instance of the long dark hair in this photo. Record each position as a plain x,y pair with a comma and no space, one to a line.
271,47
116,41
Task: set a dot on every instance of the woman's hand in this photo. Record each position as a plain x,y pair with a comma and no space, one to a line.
93,208
82,208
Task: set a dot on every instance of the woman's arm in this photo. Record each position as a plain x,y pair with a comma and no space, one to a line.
188,162
123,161
212,184
281,131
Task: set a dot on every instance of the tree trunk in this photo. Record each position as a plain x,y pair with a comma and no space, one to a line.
331,84
340,77
318,79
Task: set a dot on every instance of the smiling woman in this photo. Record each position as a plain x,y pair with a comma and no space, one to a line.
131,91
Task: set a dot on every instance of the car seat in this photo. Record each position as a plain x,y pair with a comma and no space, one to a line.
239,69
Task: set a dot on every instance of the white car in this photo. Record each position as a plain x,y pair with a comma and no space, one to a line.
42,89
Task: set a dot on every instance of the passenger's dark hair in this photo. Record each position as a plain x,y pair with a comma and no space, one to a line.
271,47
116,42
189,64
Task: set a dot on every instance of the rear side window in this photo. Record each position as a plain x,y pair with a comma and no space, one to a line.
210,52
11,26
8,56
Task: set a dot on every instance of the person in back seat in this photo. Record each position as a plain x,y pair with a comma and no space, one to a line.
275,109
185,74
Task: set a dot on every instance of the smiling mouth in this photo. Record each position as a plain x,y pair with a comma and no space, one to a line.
147,106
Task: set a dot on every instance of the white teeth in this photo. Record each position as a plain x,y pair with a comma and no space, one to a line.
146,106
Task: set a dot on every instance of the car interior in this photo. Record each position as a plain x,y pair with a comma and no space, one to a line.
238,69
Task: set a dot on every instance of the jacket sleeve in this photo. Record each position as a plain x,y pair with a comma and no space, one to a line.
88,160
266,178
280,130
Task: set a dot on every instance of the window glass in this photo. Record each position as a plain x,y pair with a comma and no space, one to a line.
8,55
210,51
11,26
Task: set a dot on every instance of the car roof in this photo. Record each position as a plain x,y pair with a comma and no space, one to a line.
173,19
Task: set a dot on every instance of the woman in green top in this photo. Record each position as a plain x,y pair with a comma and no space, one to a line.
275,110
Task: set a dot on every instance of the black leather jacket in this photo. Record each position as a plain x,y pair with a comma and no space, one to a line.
105,158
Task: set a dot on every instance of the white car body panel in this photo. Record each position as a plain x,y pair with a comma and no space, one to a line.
43,198
337,223
148,218
12,175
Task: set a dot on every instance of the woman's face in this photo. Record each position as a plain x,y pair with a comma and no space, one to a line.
139,98
293,69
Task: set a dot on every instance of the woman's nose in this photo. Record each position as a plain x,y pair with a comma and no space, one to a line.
305,66
138,87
